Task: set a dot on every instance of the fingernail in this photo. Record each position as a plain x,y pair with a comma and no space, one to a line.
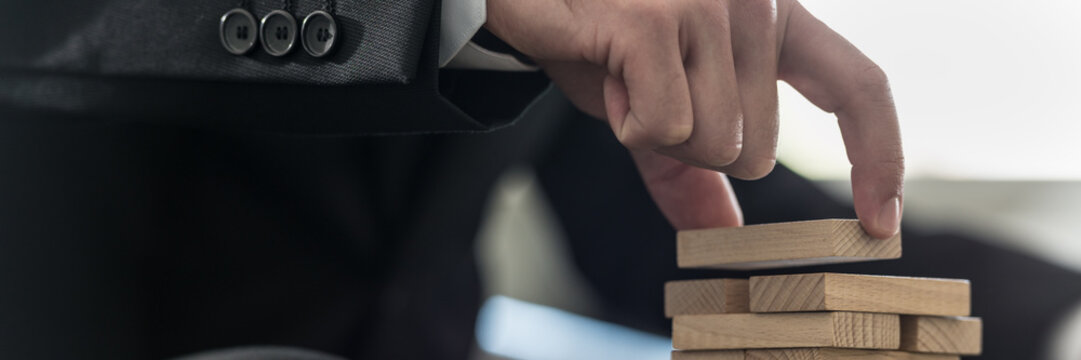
889,218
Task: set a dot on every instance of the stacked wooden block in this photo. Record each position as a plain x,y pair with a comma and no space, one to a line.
817,316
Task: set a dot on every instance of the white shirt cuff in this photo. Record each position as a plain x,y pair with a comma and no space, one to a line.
474,57
459,21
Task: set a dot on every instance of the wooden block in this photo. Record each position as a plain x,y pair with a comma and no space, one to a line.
755,331
866,293
841,354
782,245
708,355
713,296
946,335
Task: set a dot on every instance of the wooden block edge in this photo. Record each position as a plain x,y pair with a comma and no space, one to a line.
910,330
733,291
839,354
737,354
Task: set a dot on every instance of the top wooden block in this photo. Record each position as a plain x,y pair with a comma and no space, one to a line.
782,245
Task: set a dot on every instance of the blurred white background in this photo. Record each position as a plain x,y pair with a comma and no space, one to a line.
989,97
985,90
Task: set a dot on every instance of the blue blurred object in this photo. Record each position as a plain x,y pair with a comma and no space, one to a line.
522,330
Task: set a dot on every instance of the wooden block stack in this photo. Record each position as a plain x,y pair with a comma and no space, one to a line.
819,316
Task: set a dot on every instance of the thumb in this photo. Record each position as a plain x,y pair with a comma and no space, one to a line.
689,197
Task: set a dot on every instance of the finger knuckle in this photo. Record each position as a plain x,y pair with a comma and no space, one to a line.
633,138
712,9
754,168
872,79
652,14
722,153
637,136
758,11
896,162
673,134
890,157
724,146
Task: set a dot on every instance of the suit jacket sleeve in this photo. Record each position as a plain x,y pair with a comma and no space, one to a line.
161,61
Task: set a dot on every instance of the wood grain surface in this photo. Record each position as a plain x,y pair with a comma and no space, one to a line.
865,293
946,335
840,354
786,330
712,296
782,245
708,355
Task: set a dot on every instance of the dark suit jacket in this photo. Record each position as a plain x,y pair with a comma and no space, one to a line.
155,201
161,61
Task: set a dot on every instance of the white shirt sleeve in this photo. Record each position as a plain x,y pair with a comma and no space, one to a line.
459,21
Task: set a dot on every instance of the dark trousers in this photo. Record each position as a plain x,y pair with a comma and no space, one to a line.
135,241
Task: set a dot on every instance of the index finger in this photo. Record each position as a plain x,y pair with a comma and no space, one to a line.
838,78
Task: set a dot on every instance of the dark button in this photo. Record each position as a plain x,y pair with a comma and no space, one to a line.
278,32
319,33
238,31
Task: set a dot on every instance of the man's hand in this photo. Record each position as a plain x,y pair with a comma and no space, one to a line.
695,82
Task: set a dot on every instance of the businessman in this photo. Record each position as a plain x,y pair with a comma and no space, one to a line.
184,176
